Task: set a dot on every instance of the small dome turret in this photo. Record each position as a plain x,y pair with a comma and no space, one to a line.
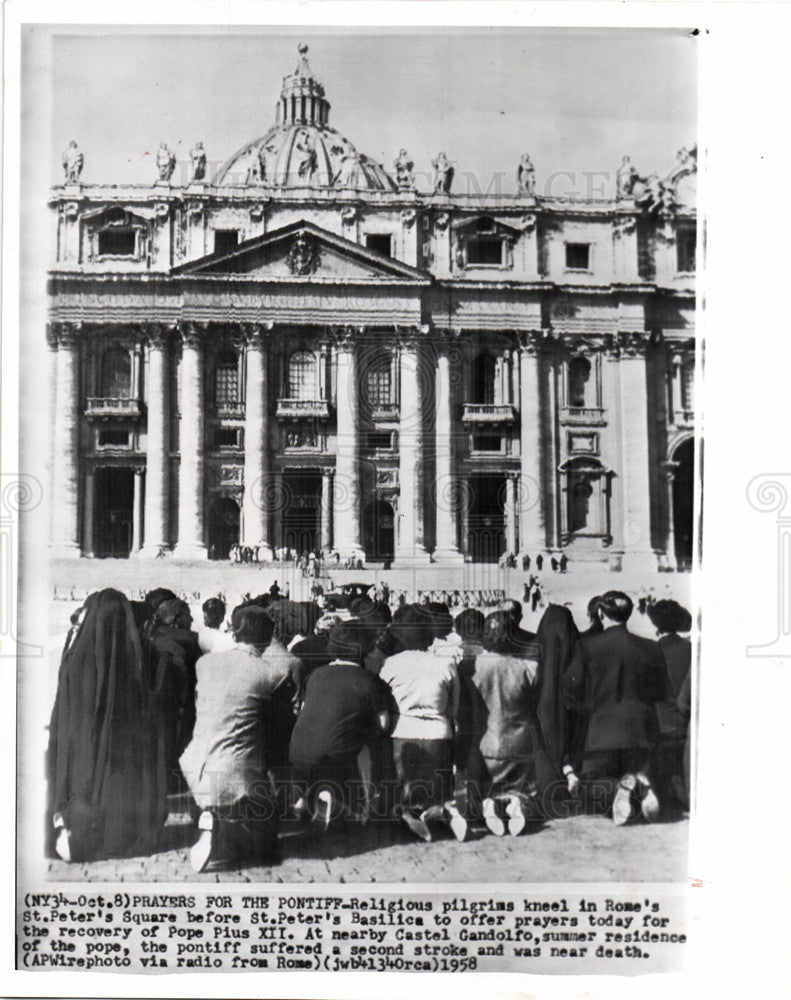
301,150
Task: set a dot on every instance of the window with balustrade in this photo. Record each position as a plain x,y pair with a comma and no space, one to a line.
483,379
580,373
302,375
226,378
115,380
379,381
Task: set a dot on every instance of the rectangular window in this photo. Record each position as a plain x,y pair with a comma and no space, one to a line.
226,437
485,250
578,256
225,240
113,439
487,442
116,243
685,250
380,242
380,441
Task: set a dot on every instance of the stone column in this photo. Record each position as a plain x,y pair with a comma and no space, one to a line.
410,547
191,544
634,473
157,443
510,512
258,492
346,508
325,540
65,465
532,539
137,510
88,513
447,549
669,558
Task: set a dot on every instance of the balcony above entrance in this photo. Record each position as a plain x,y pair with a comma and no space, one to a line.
308,408
488,413
109,406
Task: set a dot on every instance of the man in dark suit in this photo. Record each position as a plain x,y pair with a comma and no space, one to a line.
615,679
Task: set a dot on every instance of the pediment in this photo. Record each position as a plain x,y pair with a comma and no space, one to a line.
304,251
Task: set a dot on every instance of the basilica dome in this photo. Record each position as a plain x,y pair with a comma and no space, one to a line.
301,149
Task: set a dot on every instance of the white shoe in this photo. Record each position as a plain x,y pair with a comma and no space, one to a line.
493,821
200,852
622,808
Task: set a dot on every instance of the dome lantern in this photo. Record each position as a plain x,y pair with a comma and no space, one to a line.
302,100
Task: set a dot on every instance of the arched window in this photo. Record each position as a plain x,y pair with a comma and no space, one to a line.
116,374
379,380
226,377
579,382
302,375
483,375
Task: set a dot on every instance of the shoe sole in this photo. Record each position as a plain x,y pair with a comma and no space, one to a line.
417,826
650,806
200,853
622,806
493,822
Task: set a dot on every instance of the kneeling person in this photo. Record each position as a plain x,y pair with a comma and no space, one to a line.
226,762
346,708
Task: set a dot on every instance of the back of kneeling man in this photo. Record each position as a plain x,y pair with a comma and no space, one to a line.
615,679
226,762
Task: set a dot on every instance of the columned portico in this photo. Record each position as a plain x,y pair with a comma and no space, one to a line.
87,531
157,444
638,552
410,547
325,540
65,471
447,549
346,499
191,532
532,538
137,510
257,492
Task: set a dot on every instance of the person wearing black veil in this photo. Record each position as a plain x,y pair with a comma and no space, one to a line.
562,739
171,650
102,797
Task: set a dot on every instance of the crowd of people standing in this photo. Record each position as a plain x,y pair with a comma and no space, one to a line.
413,717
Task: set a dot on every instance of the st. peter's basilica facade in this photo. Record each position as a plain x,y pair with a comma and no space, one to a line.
306,351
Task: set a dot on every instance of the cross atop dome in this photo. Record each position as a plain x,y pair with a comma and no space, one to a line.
302,100
303,66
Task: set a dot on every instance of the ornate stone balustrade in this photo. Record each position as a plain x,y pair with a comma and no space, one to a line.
303,408
589,415
230,408
112,406
488,413
385,412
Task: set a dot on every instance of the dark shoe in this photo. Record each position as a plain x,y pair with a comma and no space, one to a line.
201,850
623,805
516,816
